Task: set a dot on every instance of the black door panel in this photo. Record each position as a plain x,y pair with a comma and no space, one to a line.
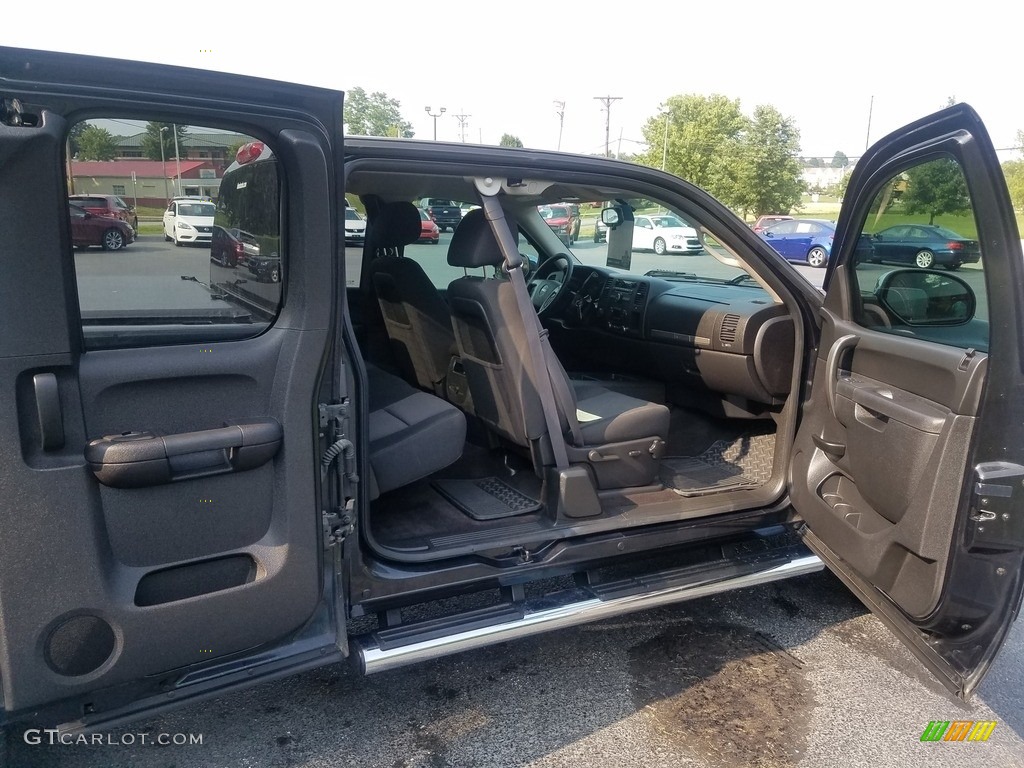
888,496
127,588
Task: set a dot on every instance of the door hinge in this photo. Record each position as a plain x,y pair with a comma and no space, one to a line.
336,412
337,525
995,519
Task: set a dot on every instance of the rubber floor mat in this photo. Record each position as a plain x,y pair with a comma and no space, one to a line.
488,498
692,476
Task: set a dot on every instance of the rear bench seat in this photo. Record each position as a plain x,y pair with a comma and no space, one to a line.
412,433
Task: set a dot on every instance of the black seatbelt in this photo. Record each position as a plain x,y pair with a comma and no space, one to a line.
536,336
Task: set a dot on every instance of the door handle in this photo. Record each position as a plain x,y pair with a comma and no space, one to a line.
48,411
835,355
142,459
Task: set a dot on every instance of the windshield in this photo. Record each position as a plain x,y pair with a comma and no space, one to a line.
351,214
652,238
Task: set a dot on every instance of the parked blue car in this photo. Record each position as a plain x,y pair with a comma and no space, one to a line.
806,240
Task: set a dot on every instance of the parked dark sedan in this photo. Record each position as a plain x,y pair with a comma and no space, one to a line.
924,246
88,229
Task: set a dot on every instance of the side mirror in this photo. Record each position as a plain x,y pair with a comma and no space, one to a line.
926,297
611,217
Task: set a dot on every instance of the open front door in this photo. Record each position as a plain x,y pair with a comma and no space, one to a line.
161,519
909,461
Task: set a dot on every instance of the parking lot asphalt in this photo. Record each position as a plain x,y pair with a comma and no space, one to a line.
788,674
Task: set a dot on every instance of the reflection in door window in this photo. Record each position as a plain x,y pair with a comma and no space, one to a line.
923,219
176,230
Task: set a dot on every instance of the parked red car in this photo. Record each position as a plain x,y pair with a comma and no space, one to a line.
429,233
88,229
110,206
564,220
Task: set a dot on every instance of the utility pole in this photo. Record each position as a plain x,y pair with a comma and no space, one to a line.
607,101
560,111
163,166
463,120
867,139
664,146
443,110
177,157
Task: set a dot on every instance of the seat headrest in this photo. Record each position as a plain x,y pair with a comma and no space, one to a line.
474,244
394,224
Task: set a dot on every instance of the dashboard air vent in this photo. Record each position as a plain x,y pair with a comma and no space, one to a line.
640,299
728,332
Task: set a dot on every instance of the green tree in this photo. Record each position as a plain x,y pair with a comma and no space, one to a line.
698,140
840,160
155,136
1013,170
768,178
374,114
74,136
508,140
936,188
96,144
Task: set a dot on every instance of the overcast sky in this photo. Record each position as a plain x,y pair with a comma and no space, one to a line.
505,63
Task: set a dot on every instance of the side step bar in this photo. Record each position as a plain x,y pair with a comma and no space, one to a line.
410,644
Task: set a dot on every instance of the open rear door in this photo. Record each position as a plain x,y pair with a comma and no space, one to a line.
160,515
909,460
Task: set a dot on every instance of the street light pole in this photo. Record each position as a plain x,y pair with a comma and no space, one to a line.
177,157
560,111
664,147
607,101
163,166
443,110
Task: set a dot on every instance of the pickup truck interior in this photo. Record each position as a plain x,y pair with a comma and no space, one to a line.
670,376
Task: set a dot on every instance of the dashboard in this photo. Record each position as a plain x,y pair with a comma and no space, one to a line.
731,338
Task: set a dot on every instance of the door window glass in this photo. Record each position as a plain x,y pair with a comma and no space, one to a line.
155,265
919,265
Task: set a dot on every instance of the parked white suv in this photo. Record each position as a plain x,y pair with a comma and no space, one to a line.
189,220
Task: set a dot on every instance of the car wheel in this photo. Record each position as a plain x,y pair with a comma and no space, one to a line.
113,240
178,242
435,242
167,238
953,267
275,274
817,256
924,259
659,246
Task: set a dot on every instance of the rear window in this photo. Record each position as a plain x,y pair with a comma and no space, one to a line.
196,209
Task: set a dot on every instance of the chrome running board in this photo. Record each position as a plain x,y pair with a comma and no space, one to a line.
410,644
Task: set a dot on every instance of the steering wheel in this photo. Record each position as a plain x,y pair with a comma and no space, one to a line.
549,283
